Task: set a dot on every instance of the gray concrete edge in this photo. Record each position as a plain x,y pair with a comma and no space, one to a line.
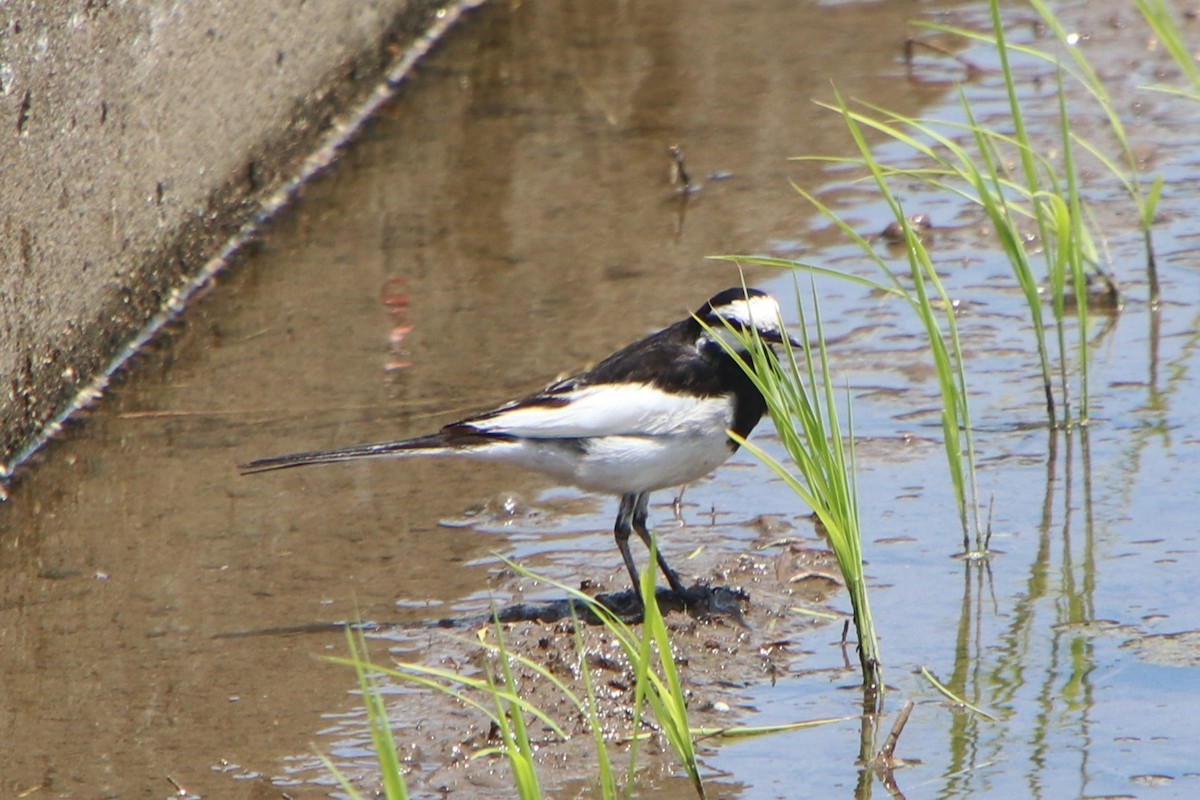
49,379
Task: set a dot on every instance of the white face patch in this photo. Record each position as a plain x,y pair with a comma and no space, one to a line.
760,312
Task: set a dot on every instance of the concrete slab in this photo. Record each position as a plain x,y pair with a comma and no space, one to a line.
139,141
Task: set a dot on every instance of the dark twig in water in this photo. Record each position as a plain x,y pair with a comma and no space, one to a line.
884,762
844,644
179,790
888,777
679,173
987,536
887,753
677,504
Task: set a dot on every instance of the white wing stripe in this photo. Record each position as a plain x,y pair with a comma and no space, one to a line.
613,410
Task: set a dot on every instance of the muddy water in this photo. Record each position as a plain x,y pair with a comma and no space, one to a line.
509,218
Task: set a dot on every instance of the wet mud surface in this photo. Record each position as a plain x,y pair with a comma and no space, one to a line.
725,640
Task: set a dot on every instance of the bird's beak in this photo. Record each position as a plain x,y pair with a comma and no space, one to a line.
777,337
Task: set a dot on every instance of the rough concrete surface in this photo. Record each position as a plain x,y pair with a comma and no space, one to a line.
136,140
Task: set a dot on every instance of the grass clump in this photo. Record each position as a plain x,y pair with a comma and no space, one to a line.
931,304
969,159
496,694
800,400
1125,168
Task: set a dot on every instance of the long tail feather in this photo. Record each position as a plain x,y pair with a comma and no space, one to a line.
429,445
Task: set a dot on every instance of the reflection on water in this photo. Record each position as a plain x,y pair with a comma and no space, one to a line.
511,217
1091,527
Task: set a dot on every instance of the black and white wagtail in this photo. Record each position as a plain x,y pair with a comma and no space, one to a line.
650,416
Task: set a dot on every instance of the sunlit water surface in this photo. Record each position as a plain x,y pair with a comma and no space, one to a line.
508,218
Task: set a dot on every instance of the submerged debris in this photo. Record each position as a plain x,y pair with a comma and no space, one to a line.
679,176
921,224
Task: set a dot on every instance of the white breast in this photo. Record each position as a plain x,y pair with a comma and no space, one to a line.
681,442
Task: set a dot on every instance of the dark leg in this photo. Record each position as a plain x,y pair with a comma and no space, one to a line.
621,531
639,525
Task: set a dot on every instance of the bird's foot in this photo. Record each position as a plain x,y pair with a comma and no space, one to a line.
703,599
699,600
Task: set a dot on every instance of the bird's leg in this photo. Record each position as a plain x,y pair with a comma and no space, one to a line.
621,531
639,525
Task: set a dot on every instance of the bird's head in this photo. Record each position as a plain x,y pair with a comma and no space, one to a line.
746,310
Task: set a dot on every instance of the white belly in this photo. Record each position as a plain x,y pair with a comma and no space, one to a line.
624,464
686,447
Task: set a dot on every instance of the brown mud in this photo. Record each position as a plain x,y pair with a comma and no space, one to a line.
511,217
757,632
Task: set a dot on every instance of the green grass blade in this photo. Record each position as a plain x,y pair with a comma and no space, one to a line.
805,418
340,777
668,698
591,712
511,719
754,731
381,731
444,681
945,690
1158,14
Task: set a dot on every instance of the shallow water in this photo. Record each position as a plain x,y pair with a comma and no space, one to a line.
437,269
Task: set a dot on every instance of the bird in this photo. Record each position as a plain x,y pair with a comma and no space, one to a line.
655,414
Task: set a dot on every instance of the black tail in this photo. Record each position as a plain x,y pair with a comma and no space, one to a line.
434,443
